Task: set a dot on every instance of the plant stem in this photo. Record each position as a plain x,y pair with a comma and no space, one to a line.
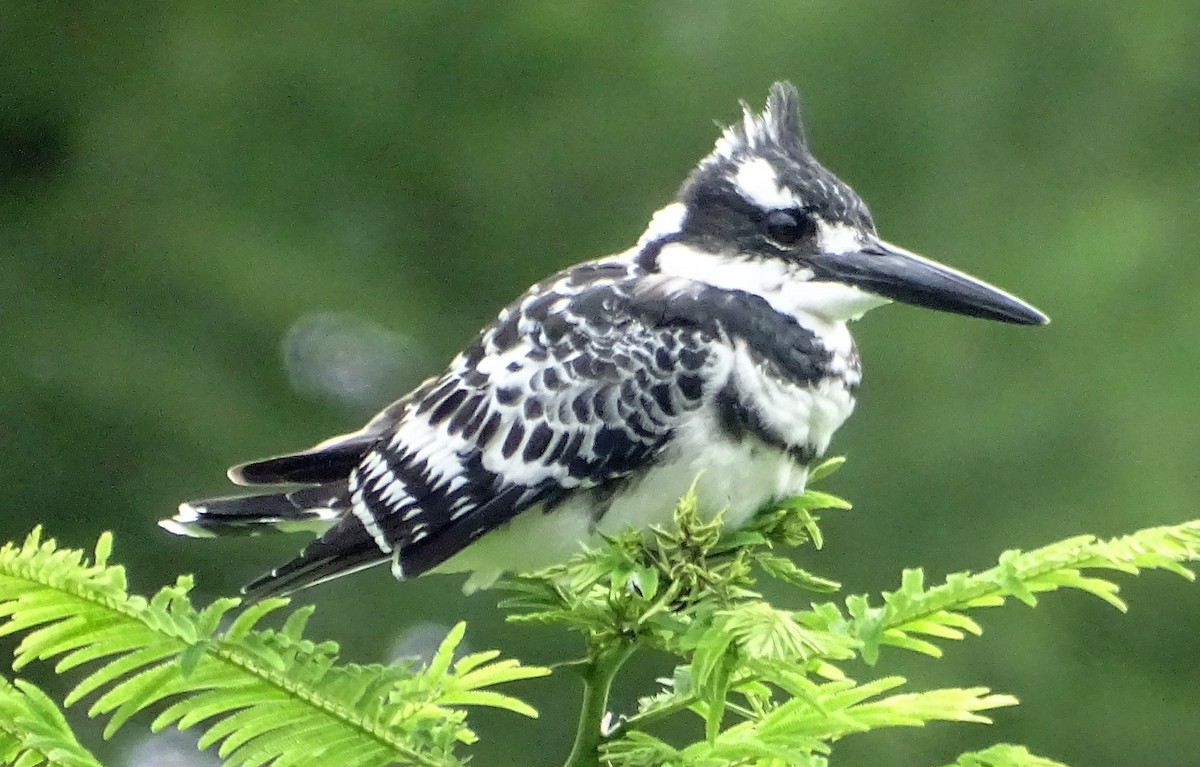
598,677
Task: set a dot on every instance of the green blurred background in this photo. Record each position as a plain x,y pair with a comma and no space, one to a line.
230,230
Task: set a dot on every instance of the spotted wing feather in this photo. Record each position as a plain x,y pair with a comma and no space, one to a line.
570,388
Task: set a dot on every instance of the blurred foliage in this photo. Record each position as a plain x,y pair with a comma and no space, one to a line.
182,186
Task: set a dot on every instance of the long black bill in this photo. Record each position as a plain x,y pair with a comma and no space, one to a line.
886,270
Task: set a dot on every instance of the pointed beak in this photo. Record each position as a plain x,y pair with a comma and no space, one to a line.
892,272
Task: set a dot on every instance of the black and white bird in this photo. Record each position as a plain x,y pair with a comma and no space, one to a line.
714,350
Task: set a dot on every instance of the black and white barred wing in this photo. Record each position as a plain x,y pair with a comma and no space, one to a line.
569,391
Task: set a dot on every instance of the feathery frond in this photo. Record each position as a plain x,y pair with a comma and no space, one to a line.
913,616
262,695
33,731
801,729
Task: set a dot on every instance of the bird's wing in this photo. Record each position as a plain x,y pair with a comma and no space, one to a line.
582,395
570,388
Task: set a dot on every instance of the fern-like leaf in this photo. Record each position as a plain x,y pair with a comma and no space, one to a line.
799,730
913,616
34,732
263,696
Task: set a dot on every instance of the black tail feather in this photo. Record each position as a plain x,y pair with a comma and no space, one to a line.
328,462
345,548
311,509
321,506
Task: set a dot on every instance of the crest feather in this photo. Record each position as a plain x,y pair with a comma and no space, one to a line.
779,125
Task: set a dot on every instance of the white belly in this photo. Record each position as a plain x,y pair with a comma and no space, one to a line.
737,477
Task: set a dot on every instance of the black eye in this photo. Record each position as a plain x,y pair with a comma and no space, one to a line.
787,227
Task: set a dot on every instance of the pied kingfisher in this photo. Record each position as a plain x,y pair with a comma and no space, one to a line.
713,351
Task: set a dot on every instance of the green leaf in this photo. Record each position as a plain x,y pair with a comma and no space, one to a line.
264,695
825,468
248,618
490,699
784,569
1004,755
33,731
815,500
939,611
439,664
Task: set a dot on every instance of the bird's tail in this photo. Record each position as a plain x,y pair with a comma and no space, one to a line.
322,507
343,545
309,509
324,469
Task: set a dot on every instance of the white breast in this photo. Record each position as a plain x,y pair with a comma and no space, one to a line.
801,414
734,476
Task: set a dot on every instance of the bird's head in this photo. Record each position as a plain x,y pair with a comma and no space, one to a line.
760,214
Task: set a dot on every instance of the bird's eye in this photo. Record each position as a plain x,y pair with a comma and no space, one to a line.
787,227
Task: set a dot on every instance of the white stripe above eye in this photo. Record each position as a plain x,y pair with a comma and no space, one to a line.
758,182
836,237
